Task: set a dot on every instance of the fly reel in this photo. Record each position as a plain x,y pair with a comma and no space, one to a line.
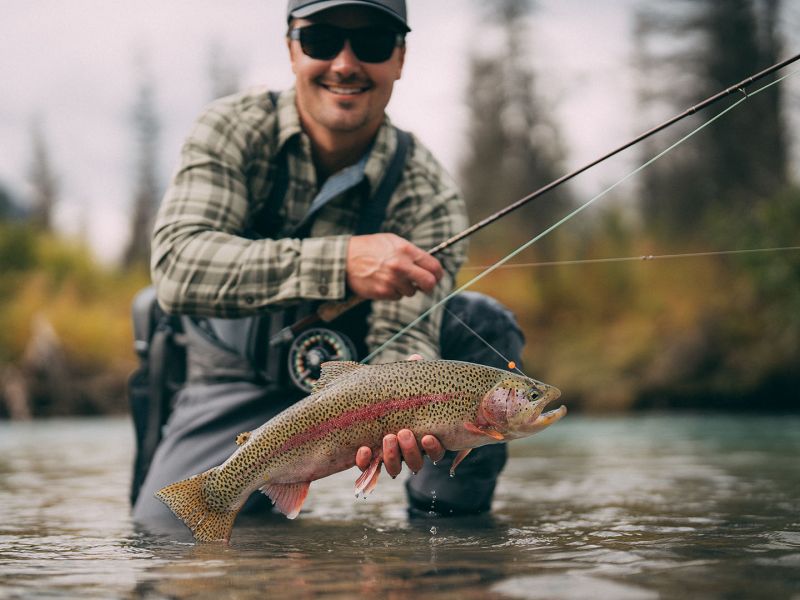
312,348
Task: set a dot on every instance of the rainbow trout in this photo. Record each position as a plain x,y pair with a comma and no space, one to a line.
463,404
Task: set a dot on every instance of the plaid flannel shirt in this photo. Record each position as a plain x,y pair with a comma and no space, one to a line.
203,263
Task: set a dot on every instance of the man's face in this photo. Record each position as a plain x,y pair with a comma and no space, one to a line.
344,94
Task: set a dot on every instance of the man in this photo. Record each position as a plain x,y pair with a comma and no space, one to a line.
265,214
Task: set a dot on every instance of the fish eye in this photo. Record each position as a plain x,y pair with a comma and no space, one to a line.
532,395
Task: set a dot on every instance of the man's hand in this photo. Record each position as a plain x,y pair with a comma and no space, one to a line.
402,447
384,266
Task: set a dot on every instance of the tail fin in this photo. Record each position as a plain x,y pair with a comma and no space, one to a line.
185,499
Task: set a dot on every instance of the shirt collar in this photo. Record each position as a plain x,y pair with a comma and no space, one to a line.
380,153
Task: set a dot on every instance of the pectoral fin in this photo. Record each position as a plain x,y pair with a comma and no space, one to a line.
457,460
492,433
287,497
369,478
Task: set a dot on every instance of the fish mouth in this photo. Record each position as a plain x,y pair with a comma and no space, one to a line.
540,419
550,417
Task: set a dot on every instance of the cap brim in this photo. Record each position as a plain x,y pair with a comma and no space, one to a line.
307,11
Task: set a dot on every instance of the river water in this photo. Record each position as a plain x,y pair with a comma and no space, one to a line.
620,508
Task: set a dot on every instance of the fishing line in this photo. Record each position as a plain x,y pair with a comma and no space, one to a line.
640,258
329,311
511,364
568,217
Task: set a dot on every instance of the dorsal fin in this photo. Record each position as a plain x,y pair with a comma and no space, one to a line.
332,370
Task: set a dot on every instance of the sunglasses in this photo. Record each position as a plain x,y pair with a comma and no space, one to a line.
369,44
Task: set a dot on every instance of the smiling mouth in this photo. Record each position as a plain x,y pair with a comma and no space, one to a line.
346,90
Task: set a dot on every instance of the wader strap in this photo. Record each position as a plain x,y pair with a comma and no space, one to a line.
334,186
374,213
374,209
145,320
281,185
158,392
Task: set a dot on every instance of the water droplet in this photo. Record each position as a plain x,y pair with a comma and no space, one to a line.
433,530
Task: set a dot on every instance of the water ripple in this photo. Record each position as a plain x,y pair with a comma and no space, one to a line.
634,507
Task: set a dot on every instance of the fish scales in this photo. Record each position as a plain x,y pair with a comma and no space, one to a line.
269,448
353,406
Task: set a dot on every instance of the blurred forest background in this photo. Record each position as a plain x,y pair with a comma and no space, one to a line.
709,332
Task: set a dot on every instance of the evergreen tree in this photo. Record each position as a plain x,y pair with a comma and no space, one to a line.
147,192
699,48
514,145
43,180
7,207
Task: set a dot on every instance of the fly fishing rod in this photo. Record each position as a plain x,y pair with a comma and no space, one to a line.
740,87
330,310
325,340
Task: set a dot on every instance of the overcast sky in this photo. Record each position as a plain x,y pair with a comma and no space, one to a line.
73,64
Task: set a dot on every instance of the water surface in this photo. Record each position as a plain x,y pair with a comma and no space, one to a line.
626,507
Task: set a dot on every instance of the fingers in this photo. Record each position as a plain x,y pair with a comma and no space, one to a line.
399,448
420,279
363,457
415,357
386,267
433,448
422,270
391,455
429,264
404,447
410,449
405,287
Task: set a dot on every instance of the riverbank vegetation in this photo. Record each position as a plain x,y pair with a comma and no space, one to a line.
66,344
699,332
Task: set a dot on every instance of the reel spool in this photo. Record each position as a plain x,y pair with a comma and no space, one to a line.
312,348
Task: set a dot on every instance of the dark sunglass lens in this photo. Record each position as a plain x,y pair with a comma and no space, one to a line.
321,42
373,45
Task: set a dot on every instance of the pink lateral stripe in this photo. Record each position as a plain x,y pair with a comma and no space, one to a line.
353,417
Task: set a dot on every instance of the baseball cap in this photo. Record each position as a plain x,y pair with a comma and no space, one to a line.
305,8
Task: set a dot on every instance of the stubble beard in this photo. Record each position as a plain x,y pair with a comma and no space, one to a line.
343,115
